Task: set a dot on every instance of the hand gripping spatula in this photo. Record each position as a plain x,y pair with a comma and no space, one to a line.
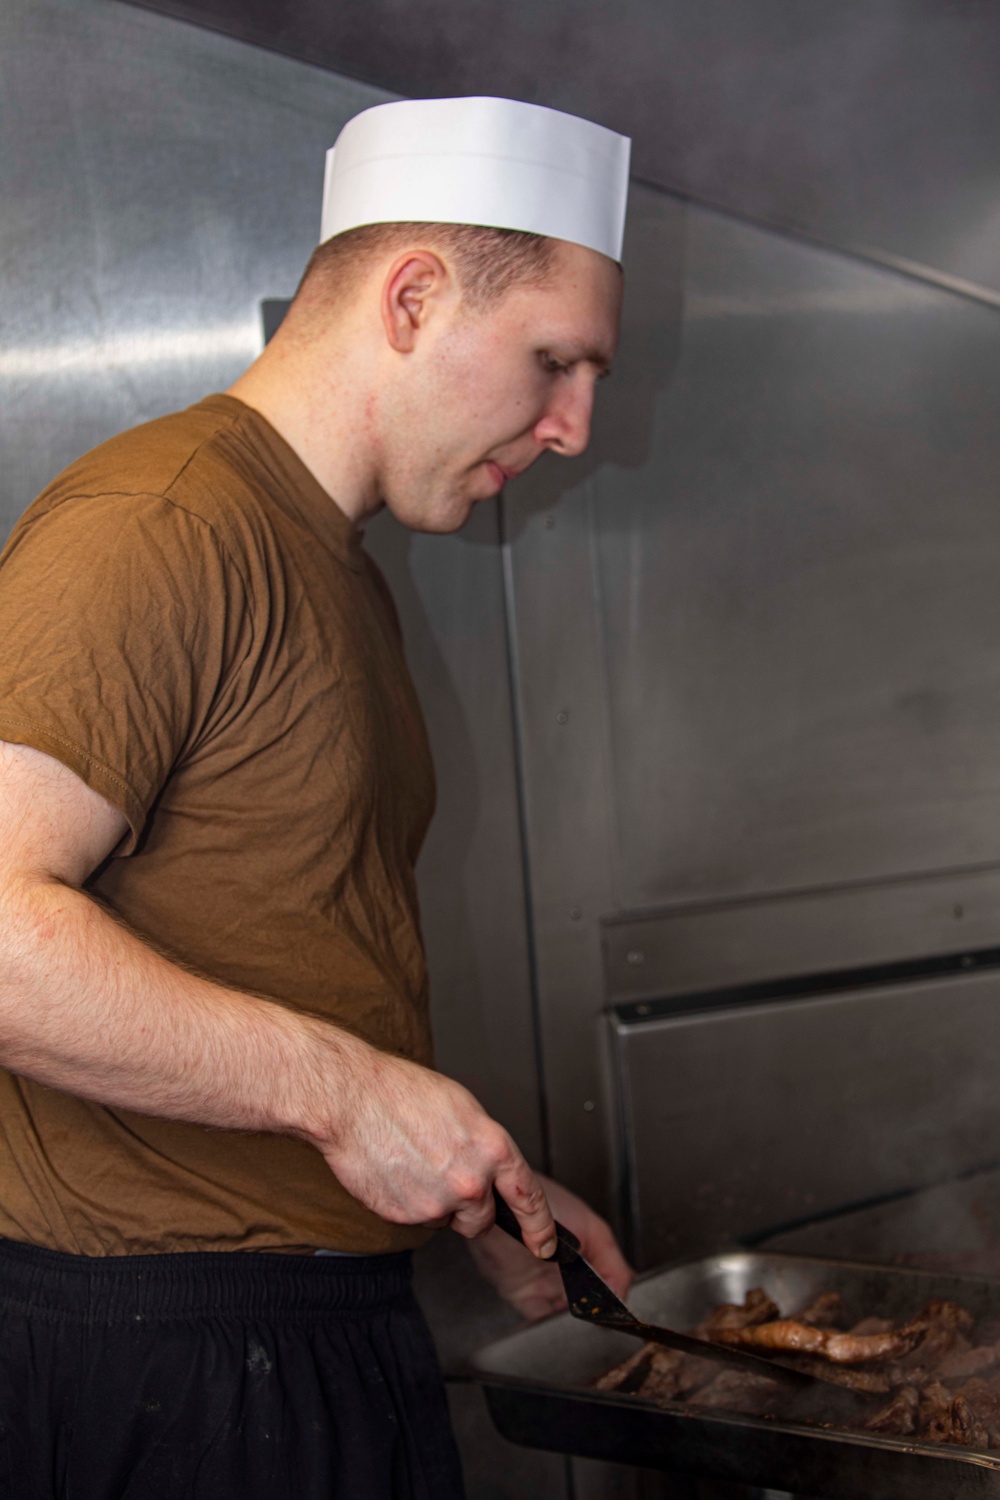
592,1300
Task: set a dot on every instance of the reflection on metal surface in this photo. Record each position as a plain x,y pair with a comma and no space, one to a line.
738,1121
797,594
130,351
769,602
157,182
872,127
898,296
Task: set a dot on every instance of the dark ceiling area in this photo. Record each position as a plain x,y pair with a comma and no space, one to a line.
874,127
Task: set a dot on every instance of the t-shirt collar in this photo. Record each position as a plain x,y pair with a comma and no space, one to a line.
297,488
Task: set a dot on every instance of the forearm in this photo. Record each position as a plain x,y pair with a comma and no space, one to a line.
87,1007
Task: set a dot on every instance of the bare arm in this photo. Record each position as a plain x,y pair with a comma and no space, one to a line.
87,1007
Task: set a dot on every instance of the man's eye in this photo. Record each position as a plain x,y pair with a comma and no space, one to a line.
554,366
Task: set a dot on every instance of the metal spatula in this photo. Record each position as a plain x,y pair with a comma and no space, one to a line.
591,1299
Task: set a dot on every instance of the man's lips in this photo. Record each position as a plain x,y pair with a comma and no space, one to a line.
500,472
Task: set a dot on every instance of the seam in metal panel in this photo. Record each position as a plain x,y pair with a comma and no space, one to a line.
513,678
625,1167
699,905
871,255
639,1013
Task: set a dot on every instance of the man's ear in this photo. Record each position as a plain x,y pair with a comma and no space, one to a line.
414,284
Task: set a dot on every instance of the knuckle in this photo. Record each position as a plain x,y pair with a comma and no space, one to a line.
501,1149
467,1187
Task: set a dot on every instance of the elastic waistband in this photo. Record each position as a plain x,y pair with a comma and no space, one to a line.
248,1283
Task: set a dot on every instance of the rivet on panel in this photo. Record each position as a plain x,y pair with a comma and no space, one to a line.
635,957
589,1106
549,522
575,913
562,717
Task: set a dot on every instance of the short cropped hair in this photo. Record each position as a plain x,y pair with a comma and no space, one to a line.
488,262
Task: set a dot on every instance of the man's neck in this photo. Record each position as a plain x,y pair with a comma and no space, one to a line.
320,408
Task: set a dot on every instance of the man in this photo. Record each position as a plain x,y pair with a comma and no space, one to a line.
214,782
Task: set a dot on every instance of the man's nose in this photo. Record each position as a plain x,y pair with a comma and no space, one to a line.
565,427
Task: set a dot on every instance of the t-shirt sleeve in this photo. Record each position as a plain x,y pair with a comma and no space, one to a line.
119,626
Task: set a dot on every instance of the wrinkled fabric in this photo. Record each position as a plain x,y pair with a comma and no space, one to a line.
218,1377
189,623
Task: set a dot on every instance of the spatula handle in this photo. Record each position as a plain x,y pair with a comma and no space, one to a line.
506,1217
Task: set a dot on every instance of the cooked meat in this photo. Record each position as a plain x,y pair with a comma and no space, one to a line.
948,1314
695,1373
665,1380
841,1348
629,1374
940,1372
899,1416
826,1311
756,1308
966,1428
873,1325
935,1413
938,1330
907,1374
867,1382
736,1390
984,1402
945,1418
959,1364
658,1374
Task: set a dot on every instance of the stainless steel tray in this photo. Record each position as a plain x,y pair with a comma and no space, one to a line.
536,1383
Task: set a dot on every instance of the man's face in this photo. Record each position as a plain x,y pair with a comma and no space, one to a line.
493,388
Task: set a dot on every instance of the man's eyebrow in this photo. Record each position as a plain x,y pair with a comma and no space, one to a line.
578,354
599,358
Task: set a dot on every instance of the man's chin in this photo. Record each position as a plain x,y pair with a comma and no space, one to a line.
446,525
438,520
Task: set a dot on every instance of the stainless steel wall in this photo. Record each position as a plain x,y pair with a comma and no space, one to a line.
868,125
758,695
775,1113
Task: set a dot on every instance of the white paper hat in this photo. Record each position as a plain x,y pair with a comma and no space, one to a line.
496,162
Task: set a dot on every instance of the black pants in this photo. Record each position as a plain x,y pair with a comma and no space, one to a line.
218,1377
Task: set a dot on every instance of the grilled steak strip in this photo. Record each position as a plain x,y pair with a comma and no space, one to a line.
790,1336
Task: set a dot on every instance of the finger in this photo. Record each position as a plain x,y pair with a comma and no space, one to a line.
518,1186
616,1271
539,1302
602,1250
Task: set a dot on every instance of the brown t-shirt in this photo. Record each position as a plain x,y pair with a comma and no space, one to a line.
191,625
